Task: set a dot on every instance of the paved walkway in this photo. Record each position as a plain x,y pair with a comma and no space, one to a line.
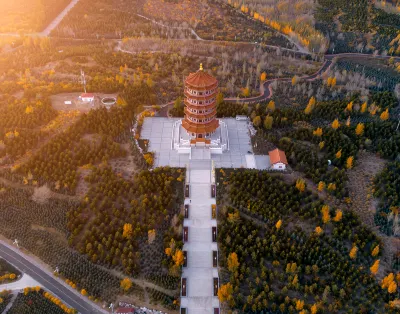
25,281
199,248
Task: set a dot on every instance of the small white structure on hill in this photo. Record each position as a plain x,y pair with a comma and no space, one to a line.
241,118
86,97
277,159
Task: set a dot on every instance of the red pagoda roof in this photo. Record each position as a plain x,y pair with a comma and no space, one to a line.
86,95
201,128
201,79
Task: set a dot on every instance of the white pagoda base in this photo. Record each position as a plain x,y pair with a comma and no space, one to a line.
182,142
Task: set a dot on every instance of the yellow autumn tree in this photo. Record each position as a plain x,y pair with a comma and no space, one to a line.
314,309
263,76
225,292
332,186
333,82
178,257
375,267
338,215
325,214
295,280
321,145
335,124
375,251
387,281
127,230
385,115
318,230
83,292
363,107
294,80
246,92
126,284
268,122
395,304
310,106
349,162
271,105
29,110
278,224
373,109
360,129
299,305
321,186
338,154
318,132
353,252
392,287
349,106
300,185
233,262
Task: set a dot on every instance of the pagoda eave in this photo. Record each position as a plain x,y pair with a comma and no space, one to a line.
200,128
201,87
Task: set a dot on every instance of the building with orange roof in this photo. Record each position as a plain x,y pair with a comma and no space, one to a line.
277,159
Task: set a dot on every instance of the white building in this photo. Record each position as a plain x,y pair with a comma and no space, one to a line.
277,159
86,97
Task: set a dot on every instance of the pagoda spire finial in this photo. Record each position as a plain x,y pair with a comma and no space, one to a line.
201,66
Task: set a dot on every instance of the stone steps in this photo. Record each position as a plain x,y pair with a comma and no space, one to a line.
200,272
200,259
200,247
200,235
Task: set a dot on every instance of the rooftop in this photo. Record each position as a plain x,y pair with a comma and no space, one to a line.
277,156
87,95
201,79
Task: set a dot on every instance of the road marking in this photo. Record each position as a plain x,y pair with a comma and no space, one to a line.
28,267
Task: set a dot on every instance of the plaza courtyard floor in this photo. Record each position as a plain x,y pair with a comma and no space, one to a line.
159,132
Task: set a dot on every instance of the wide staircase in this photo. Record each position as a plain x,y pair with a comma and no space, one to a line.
200,275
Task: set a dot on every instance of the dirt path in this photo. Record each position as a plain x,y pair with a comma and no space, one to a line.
360,186
29,188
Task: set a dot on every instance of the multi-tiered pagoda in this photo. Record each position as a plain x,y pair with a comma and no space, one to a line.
200,105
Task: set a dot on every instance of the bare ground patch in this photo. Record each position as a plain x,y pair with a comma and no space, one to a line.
125,167
58,101
83,187
360,185
41,195
54,232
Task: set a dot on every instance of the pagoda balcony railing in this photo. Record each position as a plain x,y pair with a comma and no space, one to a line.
187,118
211,105
203,115
200,101
199,94
202,91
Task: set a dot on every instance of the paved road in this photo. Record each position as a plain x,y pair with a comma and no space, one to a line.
47,280
58,19
266,88
53,24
